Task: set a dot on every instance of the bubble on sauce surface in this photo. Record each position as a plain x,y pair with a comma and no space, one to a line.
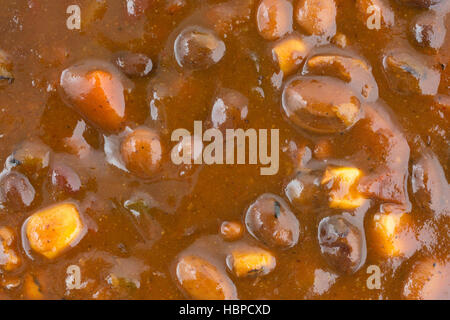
270,220
341,244
198,48
320,104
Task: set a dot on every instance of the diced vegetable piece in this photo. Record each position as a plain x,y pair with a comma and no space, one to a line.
141,150
9,260
274,18
96,91
289,53
370,10
341,244
53,230
270,220
428,279
202,280
342,182
32,288
393,236
251,262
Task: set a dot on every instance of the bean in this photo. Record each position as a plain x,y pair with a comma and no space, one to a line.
141,151
341,244
198,48
202,280
270,220
316,17
274,18
322,105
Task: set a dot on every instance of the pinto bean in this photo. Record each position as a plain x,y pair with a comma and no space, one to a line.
428,279
96,91
227,16
429,185
141,151
16,191
270,220
419,3
316,17
134,64
198,48
202,280
428,31
65,179
274,18
230,109
341,244
322,105
409,75
351,70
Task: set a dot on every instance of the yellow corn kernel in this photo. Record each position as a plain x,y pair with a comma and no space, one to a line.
342,184
289,54
52,230
392,236
252,262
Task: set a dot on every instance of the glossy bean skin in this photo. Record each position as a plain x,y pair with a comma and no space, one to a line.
341,244
198,48
270,220
142,151
274,18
